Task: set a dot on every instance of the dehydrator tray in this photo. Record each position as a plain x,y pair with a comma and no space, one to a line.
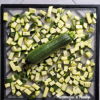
5,70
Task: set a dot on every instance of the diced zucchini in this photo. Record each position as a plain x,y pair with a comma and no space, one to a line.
36,38
61,80
18,68
80,66
64,29
17,86
26,33
52,72
94,15
27,91
83,68
32,10
28,42
27,86
7,85
92,63
49,11
54,10
15,48
37,93
13,19
68,25
22,88
45,92
57,18
69,13
89,69
18,27
76,90
5,16
9,40
78,27
58,84
16,36
76,17
81,82
90,75
52,30
20,40
75,82
88,17
67,79
59,10
26,28
19,82
36,86
78,59
59,94
43,72
42,12
64,17
13,25
88,54
87,84
60,24
11,55
58,75
18,93
91,29
82,78
44,40
85,25
32,89
12,65
85,90
32,77
69,91
18,20
52,83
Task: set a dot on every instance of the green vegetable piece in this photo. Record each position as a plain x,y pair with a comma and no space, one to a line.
81,87
55,87
82,20
42,36
51,37
17,15
72,35
9,24
53,77
9,80
73,28
32,97
53,24
43,51
22,16
40,82
24,80
92,67
16,76
12,34
23,73
67,74
86,36
33,25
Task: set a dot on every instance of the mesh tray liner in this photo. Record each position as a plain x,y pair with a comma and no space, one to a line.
75,11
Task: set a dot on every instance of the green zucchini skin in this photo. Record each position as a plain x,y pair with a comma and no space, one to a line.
43,51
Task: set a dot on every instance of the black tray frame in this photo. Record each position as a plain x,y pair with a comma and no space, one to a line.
45,6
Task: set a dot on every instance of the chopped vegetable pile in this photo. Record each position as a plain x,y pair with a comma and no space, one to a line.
62,69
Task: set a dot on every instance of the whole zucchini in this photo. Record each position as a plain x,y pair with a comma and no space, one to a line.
43,51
